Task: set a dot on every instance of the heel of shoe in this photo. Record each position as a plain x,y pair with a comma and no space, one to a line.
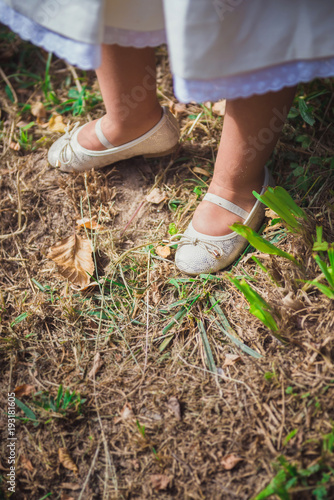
161,153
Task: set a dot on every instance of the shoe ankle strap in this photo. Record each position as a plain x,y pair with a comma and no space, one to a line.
100,135
228,205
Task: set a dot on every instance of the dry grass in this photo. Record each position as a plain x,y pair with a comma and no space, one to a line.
247,408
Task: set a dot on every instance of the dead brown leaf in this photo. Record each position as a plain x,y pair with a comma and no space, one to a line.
155,292
37,109
73,256
26,463
230,461
70,486
291,302
219,108
56,124
21,124
89,223
231,359
179,107
156,196
15,146
65,496
126,412
23,390
98,362
135,464
66,460
270,214
202,171
159,481
162,251
90,287
174,406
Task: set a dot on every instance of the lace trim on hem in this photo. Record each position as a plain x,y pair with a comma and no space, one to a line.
86,56
129,38
258,82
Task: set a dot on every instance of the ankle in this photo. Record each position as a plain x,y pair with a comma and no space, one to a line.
133,126
237,190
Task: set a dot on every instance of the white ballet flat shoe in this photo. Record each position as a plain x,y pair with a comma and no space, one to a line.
199,253
67,154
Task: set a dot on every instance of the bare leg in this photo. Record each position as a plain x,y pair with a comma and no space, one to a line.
250,132
128,86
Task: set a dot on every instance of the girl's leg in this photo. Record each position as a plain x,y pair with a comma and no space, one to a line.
128,85
250,132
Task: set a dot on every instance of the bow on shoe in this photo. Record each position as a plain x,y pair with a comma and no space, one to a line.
209,246
67,149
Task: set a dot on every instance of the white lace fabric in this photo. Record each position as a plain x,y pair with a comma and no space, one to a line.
88,56
258,82
138,39
84,55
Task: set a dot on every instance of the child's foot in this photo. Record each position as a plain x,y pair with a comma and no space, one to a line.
117,132
213,220
208,244
150,137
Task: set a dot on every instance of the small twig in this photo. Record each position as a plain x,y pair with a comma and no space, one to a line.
91,468
147,307
19,231
4,77
25,268
132,217
194,124
279,441
127,252
7,142
19,200
75,78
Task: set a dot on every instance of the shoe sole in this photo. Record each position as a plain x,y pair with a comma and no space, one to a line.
162,153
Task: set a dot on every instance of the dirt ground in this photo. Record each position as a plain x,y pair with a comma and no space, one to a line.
156,421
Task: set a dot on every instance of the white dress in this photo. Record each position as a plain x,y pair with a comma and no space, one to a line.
218,48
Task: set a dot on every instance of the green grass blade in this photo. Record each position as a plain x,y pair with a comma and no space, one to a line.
207,349
59,396
240,344
279,200
319,245
284,200
323,288
180,302
219,311
331,260
260,243
166,342
175,321
26,410
258,306
46,496
51,404
226,328
180,314
177,318
39,286
20,318
323,266
276,486
305,112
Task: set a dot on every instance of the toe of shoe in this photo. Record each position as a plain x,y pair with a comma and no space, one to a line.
194,260
53,154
